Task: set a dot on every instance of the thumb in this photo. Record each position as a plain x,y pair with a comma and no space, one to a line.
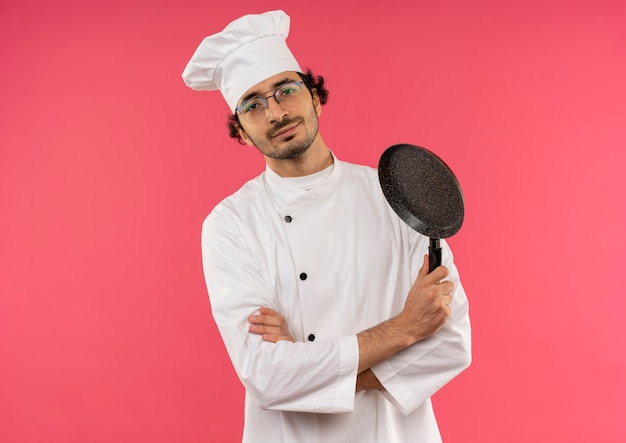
424,269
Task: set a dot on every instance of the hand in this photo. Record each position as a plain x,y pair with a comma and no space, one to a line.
270,325
367,381
427,306
426,309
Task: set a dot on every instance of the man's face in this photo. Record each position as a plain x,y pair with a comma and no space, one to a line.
282,133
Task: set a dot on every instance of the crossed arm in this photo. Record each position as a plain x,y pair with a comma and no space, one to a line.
426,309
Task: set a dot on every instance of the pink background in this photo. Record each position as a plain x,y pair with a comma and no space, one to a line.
108,165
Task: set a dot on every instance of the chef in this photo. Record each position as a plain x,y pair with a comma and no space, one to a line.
320,292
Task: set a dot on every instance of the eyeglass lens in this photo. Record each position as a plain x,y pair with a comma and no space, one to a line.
286,95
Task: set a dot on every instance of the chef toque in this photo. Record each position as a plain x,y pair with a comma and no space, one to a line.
248,51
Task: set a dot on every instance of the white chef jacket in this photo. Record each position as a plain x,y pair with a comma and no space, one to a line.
334,260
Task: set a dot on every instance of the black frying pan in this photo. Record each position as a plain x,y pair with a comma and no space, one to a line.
424,192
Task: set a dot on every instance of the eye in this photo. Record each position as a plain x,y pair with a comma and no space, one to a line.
250,106
288,90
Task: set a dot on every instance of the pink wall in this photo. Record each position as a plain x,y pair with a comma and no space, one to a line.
108,165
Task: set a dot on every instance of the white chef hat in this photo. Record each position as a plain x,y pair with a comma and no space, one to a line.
248,51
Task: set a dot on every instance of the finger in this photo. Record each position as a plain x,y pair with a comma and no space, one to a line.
270,320
274,333
267,315
272,313
264,329
424,269
269,311
274,338
270,338
439,273
446,287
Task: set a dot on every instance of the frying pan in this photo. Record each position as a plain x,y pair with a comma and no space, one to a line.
424,192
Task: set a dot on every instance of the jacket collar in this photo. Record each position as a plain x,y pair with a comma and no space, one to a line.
289,195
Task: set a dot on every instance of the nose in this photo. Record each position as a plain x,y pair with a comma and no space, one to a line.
275,111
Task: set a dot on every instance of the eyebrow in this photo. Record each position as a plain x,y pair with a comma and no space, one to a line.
274,86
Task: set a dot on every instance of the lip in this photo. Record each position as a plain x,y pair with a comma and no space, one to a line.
287,131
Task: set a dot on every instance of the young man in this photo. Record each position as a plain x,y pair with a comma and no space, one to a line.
321,293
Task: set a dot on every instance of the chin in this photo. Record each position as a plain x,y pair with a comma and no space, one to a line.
288,152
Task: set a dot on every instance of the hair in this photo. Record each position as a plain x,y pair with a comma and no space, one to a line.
311,81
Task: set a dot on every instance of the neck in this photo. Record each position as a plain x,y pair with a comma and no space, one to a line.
315,159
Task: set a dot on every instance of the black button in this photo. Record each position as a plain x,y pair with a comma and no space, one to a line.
311,337
288,218
303,276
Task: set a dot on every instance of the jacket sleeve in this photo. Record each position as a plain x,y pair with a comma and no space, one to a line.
303,376
416,373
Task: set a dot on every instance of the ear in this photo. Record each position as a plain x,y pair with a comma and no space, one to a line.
316,102
244,135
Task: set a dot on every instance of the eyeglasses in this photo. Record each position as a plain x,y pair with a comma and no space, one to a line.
286,95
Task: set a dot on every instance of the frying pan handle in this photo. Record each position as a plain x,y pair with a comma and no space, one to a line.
434,254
